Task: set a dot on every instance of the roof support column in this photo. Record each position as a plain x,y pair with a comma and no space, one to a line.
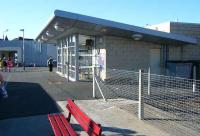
76,57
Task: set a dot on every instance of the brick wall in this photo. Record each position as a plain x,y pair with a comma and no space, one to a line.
128,54
190,52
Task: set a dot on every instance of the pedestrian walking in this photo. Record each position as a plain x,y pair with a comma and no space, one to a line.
50,64
3,91
5,63
9,64
1,64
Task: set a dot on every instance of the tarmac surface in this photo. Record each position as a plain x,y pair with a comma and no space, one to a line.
35,93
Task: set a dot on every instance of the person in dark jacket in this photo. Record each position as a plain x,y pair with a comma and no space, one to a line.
5,63
50,64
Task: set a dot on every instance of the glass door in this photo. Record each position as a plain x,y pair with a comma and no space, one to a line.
86,44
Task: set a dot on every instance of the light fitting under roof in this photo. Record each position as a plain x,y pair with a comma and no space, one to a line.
44,38
59,27
49,34
104,30
137,37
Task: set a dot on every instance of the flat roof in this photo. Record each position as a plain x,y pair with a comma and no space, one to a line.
76,23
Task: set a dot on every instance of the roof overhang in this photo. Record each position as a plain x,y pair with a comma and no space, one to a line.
63,23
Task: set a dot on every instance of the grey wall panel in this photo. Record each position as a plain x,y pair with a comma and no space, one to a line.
35,53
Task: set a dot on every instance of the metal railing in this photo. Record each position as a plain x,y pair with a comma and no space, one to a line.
171,103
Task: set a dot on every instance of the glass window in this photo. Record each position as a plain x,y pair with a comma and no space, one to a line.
72,50
72,74
67,42
85,44
59,44
85,61
85,74
72,60
74,38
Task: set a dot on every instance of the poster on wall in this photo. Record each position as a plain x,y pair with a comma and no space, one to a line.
101,61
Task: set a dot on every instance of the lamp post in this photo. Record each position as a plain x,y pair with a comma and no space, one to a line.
23,48
4,32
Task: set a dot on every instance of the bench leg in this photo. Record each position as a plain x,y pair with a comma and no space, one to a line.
69,117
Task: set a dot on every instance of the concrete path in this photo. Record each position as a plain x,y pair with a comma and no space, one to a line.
32,95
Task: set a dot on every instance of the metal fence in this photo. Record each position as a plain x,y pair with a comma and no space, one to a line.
171,103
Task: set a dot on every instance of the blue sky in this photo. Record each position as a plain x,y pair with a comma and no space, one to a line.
32,15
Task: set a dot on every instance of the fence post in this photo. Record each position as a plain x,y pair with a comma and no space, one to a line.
93,70
149,80
100,89
194,79
140,100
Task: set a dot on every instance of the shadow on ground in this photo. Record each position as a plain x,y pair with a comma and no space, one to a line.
110,130
26,99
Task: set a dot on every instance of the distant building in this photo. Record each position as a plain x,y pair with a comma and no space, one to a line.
188,52
183,55
35,52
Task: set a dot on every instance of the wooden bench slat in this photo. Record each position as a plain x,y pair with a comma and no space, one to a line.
83,124
68,126
54,125
78,111
61,125
87,124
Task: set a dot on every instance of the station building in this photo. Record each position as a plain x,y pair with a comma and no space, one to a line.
83,42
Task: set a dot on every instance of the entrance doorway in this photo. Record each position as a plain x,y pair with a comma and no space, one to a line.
155,61
86,46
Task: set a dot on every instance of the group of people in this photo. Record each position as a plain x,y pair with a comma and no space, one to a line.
6,64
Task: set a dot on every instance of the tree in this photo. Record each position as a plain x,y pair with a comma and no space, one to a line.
6,38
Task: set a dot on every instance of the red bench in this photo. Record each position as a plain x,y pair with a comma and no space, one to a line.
61,125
